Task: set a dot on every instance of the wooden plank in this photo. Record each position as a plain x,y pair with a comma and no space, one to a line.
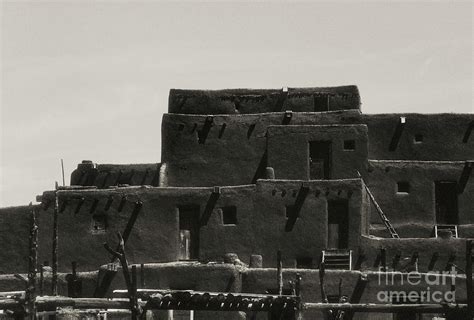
384,308
54,278
469,284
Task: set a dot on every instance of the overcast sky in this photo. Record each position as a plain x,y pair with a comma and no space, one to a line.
90,80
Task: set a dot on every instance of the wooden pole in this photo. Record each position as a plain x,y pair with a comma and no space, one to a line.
41,281
385,308
383,259
32,265
54,279
142,275
120,255
469,289
133,296
279,273
62,171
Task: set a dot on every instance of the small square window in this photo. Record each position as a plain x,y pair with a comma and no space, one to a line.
304,263
229,215
418,138
99,223
349,144
403,187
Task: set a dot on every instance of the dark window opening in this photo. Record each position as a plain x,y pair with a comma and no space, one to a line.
321,103
403,298
319,160
189,232
304,263
349,144
338,224
229,215
446,199
418,138
99,223
403,187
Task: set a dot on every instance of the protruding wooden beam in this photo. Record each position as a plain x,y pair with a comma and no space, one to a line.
468,132
79,205
466,173
433,260
397,134
396,260
110,199
204,132
122,203
279,273
210,205
54,278
32,265
296,208
383,260
281,99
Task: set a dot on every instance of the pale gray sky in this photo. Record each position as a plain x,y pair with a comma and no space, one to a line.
89,80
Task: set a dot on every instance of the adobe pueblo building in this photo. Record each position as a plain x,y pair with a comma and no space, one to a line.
267,204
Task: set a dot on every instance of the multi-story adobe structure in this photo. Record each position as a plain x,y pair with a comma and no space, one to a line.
247,173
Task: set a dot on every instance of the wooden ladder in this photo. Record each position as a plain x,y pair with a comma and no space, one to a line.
386,222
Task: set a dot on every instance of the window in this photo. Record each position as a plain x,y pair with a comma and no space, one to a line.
304,263
229,215
418,138
189,232
349,145
403,187
99,223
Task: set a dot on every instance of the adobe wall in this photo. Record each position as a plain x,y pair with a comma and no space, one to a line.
14,232
154,237
9,282
106,175
413,214
443,136
432,253
288,150
234,150
309,235
235,101
260,228
231,150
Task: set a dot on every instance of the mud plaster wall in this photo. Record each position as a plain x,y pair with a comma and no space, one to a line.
260,280
309,235
153,238
406,247
105,175
442,136
288,150
235,101
234,150
9,282
261,219
413,214
14,231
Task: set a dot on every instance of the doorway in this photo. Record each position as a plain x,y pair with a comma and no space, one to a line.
338,224
446,202
321,103
189,232
319,160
